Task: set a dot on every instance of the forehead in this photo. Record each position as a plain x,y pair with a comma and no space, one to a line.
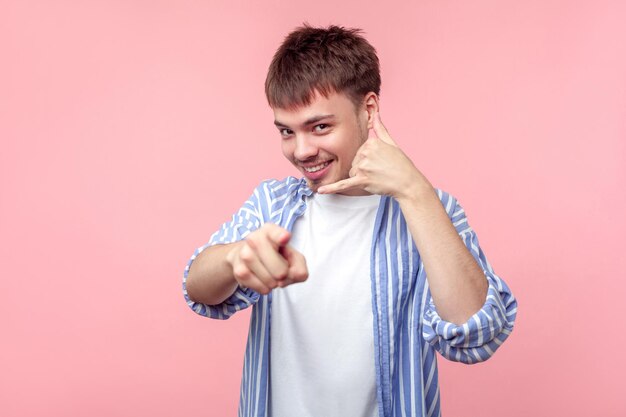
336,104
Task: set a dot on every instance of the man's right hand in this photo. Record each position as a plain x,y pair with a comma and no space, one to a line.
264,261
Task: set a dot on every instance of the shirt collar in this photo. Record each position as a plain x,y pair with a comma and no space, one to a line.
303,189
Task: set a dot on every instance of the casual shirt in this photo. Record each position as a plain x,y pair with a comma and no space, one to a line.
406,326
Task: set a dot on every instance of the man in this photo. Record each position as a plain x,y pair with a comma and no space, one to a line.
359,271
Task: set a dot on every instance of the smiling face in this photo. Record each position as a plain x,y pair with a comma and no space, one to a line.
321,139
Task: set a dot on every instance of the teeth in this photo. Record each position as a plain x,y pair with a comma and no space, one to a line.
317,167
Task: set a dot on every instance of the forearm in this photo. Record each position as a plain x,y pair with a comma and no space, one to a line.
210,279
457,284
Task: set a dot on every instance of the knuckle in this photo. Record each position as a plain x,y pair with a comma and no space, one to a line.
251,241
242,272
245,254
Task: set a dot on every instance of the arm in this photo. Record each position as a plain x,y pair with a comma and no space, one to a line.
211,279
477,338
246,220
457,283
469,311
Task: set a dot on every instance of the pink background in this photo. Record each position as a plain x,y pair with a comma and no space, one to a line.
132,129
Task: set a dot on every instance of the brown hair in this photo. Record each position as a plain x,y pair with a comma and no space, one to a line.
332,59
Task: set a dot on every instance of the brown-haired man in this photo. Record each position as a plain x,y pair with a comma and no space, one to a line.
369,244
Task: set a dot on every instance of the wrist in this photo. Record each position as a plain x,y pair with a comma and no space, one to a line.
417,191
231,255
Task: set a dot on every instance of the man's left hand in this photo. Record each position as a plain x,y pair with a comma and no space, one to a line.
380,167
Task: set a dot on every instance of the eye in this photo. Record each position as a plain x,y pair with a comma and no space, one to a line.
284,132
323,127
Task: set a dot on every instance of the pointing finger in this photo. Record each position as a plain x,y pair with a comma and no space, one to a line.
298,270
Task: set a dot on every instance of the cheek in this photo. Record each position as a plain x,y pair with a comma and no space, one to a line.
286,149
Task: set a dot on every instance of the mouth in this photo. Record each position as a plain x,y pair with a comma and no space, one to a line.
318,171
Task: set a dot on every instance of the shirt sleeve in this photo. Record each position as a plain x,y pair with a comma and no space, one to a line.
246,220
477,339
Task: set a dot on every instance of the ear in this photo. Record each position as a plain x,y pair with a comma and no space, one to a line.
370,102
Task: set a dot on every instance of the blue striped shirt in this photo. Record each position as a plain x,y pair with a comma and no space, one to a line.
407,329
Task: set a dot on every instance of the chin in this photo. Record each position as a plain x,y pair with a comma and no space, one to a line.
313,185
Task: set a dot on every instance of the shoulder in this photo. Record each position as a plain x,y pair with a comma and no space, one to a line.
280,187
287,189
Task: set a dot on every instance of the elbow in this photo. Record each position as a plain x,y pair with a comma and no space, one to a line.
209,299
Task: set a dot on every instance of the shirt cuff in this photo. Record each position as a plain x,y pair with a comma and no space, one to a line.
479,337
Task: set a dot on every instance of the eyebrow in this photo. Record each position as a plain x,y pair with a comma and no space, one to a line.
309,121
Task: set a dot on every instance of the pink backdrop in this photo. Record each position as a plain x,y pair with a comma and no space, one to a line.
122,126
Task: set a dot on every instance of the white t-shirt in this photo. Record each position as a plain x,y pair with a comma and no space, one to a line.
321,331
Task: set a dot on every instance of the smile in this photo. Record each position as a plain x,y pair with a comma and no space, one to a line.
317,167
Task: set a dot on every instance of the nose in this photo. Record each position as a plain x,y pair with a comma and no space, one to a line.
305,148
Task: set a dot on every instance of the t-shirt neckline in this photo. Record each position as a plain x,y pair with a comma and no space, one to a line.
347,201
